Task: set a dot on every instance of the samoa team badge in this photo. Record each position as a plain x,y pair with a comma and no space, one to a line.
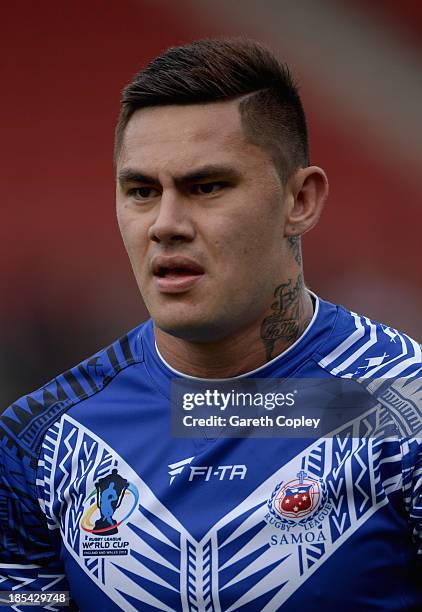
298,500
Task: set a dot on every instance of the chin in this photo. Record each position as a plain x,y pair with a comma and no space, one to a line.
193,329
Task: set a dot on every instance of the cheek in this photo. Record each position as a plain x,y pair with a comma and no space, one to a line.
250,255
250,241
123,223
134,237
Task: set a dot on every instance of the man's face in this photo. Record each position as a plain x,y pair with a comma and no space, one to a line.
202,212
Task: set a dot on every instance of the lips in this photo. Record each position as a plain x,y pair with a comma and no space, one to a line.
176,274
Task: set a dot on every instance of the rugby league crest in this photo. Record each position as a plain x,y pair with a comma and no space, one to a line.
296,501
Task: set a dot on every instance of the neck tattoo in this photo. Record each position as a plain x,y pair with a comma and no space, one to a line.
287,321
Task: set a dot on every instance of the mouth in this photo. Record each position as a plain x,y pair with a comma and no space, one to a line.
164,272
176,274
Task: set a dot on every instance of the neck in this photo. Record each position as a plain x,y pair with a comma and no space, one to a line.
248,348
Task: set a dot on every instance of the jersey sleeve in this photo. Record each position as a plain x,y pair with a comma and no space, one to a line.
412,486
29,549
404,400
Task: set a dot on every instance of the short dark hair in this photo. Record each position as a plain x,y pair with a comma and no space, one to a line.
215,70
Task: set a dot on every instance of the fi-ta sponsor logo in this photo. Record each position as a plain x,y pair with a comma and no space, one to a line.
205,473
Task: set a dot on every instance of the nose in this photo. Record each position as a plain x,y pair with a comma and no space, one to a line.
173,222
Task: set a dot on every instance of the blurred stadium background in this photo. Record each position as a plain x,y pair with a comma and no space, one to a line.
67,289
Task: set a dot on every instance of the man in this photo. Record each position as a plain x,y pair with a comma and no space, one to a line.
214,191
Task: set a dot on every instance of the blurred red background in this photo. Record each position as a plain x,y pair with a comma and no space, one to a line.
67,286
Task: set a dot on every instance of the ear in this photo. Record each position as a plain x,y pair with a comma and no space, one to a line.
307,192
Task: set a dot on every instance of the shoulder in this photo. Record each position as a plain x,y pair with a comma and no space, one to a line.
24,423
360,347
385,363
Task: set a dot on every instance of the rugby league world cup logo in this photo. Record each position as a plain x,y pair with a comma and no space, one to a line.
110,491
109,494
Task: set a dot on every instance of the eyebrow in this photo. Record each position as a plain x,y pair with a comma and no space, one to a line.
131,175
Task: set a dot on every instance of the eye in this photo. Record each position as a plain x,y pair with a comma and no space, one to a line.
143,193
207,188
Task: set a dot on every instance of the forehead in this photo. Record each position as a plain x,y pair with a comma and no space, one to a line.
176,137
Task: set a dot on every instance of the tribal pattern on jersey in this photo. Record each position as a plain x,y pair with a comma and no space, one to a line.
97,498
144,556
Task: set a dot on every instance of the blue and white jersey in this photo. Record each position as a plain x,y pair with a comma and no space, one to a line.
98,498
